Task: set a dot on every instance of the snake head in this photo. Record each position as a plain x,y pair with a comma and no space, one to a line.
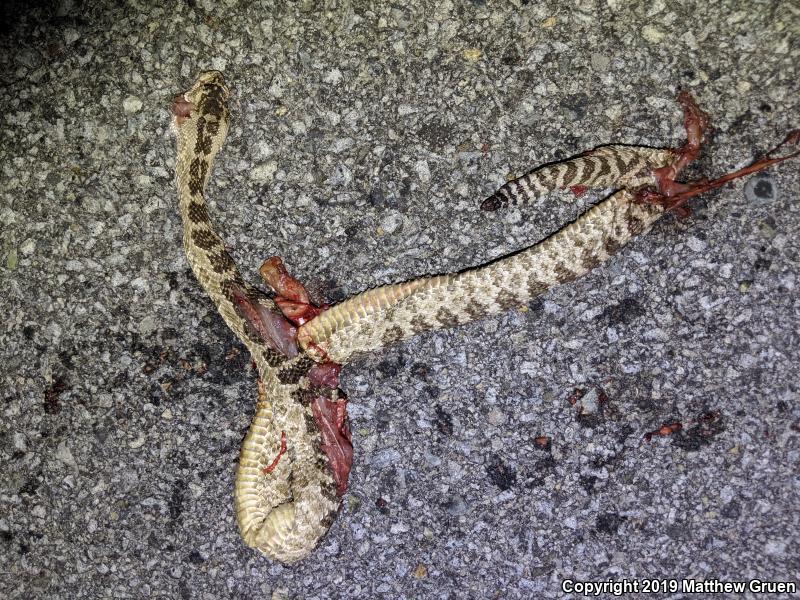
209,95
209,83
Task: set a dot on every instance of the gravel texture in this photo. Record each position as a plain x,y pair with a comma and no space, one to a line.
492,461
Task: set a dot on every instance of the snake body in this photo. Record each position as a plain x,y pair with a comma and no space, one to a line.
387,314
285,505
285,512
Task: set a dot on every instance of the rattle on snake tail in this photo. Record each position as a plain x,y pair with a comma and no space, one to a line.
297,454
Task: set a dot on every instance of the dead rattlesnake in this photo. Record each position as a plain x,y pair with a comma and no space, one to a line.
296,457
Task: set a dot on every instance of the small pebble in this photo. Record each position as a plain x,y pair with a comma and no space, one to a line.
472,54
423,171
496,417
28,247
131,105
71,36
64,455
265,172
761,188
456,506
652,34
391,222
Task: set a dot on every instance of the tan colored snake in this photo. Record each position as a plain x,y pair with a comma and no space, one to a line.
296,457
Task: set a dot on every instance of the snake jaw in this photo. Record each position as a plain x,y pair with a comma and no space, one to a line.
182,109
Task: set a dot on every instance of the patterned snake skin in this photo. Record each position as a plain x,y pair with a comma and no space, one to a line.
285,512
387,314
296,456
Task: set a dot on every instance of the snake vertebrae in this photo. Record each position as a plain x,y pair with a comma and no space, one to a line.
296,456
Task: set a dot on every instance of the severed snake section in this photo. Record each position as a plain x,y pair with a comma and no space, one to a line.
282,507
297,454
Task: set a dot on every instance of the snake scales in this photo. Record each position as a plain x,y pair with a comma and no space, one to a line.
296,456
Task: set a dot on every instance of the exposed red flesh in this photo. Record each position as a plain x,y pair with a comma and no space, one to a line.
696,122
331,418
682,192
325,374
578,190
664,430
270,326
670,428
305,341
181,108
297,312
673,195
277,277
271,467
292,297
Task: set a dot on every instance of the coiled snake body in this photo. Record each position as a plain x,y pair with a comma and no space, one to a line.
296,456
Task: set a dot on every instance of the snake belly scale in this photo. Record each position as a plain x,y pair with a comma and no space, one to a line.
287,490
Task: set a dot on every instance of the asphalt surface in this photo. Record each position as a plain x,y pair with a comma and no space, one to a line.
495,460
